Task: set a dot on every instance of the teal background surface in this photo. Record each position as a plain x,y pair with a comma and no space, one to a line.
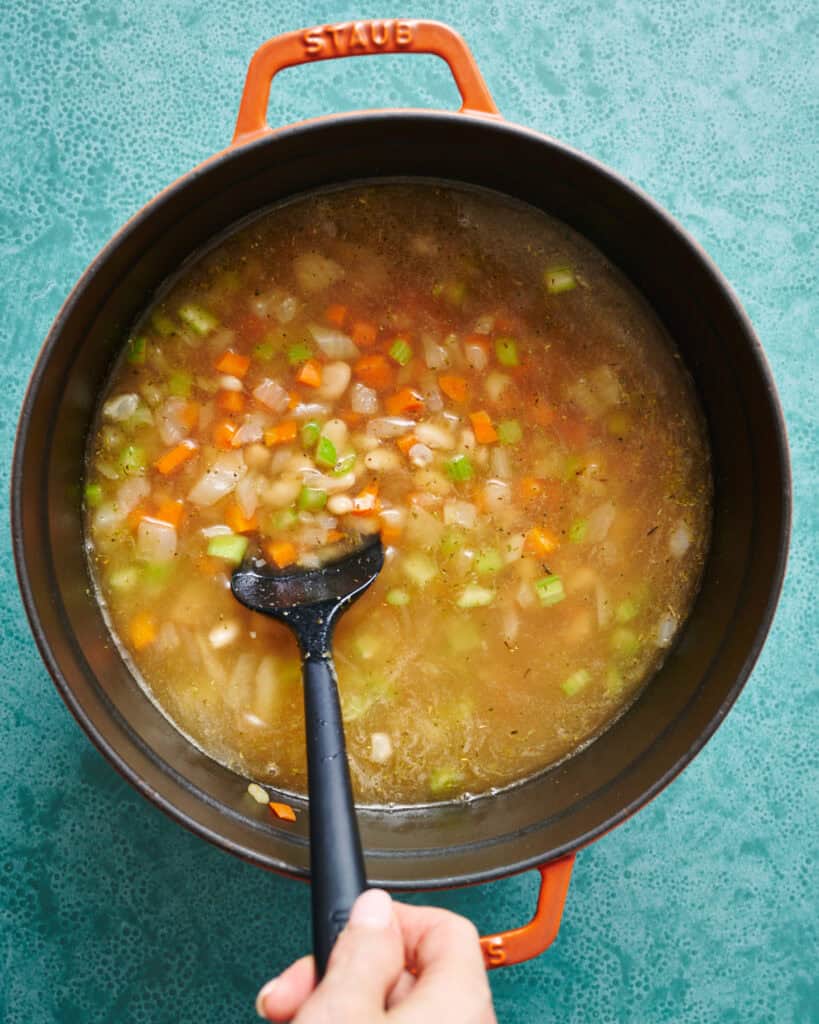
703,909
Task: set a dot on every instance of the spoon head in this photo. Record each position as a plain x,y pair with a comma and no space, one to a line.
329,589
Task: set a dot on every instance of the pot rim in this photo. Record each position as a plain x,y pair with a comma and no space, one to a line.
306,128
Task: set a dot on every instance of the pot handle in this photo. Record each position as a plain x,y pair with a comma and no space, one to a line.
357,39
530,940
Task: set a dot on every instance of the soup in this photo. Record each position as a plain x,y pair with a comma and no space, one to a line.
467,377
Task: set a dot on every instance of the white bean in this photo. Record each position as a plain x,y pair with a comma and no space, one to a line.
335,431
432,482
281,493
257,456
434,436
382,460
334,380
380,747
227,382
340,504
420,455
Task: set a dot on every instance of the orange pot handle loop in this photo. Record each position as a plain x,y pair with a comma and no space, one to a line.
533,938
357,39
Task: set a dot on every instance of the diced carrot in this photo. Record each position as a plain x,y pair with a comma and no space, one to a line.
406,442
310,373
405,400
333,536
171,512
232,363
352,419
222,433
453,387
142,630
176,457
364,334
230,401
189,414
336,314
293,399
485,432
375,372
540,541
390,531
530,488
238,521
542,413
282,433
366,501
284,812
135,517
281,552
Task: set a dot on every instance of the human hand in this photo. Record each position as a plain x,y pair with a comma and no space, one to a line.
368,980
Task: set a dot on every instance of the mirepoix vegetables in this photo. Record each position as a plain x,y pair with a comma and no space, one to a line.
466,380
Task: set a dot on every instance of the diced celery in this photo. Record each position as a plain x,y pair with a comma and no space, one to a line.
614,681
162,324
264,351
626,610
93,495
418,568
575,682
460,468
283,519
367,645
326,454
358,702
137,351
311,499
132,460
197,318
510,432
397,597
345,464
125,578
506,349
489,560
299,353
559,279
445,779
474,596
452,540
179,384
549,590
401,351
624,641
310,434
229,546
157,574
578,530
463,635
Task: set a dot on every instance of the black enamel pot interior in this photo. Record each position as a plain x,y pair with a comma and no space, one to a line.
564,808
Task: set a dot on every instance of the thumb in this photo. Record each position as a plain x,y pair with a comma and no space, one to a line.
365,964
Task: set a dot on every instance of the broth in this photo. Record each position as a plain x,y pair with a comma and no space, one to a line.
463,374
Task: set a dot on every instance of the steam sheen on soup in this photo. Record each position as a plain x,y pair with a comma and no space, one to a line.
466,376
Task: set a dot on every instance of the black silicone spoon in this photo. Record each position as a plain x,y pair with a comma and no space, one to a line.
310,602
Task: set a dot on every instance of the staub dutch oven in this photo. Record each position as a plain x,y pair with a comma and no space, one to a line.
542,823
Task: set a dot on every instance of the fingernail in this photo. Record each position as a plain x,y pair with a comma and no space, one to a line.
372,909
263,994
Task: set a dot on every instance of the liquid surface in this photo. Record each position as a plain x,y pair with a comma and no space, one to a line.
466,376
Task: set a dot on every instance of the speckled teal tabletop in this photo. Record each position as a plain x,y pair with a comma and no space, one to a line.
703,908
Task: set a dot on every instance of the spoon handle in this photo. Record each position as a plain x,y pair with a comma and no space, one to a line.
336,860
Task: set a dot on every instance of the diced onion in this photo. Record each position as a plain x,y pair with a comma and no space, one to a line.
169,421
363,400
680,540
315,272
500,462
156,541
247,495
460,513
599,523
251,430
121,407
220,479
380,747
390,426
131,493
334,344
435,355
666,629
476,357
271,394
420,455
217,530
497,495
434,436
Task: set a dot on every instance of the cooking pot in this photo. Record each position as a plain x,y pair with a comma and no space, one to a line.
543,822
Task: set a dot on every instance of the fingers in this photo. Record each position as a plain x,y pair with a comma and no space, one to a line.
366,962
445,953
281,998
